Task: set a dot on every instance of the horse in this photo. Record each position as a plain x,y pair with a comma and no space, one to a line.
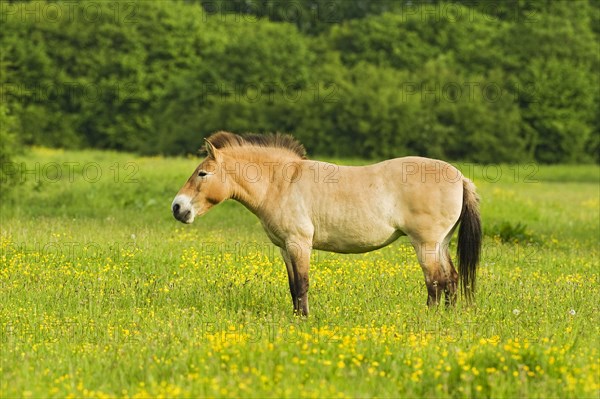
305,204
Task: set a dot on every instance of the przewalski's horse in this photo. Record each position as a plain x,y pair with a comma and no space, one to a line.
305,205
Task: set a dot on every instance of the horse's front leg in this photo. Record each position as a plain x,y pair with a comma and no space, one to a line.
290,271
299,254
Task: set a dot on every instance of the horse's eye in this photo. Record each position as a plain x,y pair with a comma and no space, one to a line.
202,173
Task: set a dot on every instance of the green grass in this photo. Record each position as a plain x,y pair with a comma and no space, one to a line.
104,294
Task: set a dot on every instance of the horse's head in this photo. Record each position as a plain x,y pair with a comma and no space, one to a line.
203,190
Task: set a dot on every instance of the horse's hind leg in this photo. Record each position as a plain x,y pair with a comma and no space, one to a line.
428,254
440,275
451,287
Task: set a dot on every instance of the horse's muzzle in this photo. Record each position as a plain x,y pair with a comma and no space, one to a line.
182,210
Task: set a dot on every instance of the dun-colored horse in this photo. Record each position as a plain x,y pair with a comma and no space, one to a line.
305,205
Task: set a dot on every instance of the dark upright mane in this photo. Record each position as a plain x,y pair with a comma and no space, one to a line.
277,140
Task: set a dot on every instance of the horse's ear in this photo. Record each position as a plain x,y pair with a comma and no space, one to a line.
211,151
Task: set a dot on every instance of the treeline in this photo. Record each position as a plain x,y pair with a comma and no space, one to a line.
485,82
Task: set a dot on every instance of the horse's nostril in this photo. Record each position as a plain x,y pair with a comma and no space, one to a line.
176,208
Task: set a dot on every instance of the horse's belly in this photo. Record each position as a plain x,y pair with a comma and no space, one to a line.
354,240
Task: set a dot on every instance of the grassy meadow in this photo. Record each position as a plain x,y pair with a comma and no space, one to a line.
104,294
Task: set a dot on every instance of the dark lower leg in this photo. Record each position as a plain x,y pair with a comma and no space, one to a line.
293,293
450,294
434,293
451,286
302,295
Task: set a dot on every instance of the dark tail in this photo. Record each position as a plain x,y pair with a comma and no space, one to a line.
469,240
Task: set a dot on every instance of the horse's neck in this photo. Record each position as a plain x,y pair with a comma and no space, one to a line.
252,178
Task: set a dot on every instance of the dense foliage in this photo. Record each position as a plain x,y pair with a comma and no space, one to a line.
505,82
